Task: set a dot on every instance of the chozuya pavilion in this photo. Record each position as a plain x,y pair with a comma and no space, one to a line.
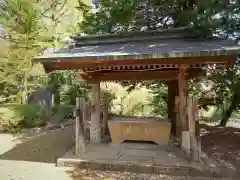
174,55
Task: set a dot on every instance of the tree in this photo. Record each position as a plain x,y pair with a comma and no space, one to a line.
226,85
29,27
129,15
22,28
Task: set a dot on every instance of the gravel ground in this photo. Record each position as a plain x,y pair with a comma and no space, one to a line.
111,175
223,146
34,159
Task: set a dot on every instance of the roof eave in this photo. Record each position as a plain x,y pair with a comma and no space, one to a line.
69,57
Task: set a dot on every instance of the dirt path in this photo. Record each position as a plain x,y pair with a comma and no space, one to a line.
24,170
34,158
43,148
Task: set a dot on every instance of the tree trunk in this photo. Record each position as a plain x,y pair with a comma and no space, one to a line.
227,114
24,91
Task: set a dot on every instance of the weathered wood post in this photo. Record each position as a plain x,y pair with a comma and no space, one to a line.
192,117
80,139
183,111
86,119
95,128
178,123
197,128
105,113
172,94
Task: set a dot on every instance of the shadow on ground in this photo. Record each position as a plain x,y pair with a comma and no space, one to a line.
43,148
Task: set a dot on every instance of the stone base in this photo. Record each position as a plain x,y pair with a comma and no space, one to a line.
122,166
136,158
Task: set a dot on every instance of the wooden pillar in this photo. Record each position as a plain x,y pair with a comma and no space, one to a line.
195,142
86,119
95,127
172,94
183,111
178,124
79,138
105,113
183,95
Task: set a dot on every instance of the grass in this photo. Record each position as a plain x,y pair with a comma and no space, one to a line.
235,115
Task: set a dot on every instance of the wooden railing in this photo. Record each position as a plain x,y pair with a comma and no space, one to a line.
83,114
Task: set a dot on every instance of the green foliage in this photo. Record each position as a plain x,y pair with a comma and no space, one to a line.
114,16
159,99
63,112
224,86
25,34
66,87
235,115
72,88
124,103
14,116
21,26
34,116
111,17
69,93
29,28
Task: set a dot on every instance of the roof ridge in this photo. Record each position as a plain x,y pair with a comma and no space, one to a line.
136,36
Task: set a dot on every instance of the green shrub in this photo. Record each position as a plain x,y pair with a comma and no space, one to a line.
63,111
34,116
13,117
22,116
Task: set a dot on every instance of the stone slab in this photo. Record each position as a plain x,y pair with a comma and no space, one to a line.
144,153
137,160
116,158
171,161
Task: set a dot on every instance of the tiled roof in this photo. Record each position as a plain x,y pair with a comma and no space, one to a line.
141,45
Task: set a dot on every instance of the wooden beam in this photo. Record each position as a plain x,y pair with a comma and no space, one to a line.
79,63
137,75
95,128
